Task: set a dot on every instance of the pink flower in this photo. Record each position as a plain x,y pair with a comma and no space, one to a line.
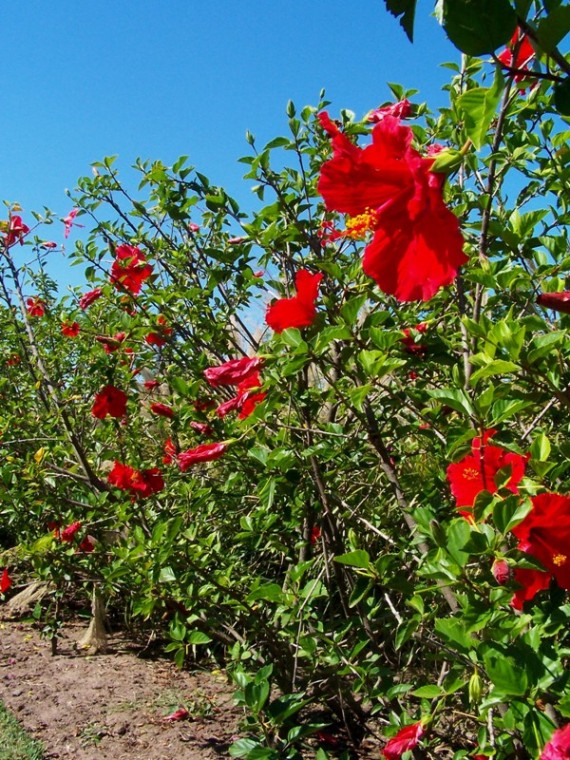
193,227
16,231
501,571
88,298
558,748
69,221
49,244
405,740
201,427
401,110
180,714
205,452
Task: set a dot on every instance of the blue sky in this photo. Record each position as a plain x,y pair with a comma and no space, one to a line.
143,78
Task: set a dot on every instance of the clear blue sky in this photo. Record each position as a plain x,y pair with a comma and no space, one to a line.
150,79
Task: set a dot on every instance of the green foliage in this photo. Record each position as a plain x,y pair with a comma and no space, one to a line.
322,557
15,744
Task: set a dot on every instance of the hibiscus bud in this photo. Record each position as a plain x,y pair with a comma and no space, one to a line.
475,688
501,571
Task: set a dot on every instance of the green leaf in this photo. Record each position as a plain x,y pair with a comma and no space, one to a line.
562,97
478,107
357,558
504,670
455,398
428,692
454,630
270,592
243,747
256,695
478,27
496,367
166,575
552,29
198,637
405,11
540,449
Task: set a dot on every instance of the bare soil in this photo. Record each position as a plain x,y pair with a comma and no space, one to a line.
94,707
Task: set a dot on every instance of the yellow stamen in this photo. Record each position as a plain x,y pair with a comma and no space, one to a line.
559,559
358,226
470,473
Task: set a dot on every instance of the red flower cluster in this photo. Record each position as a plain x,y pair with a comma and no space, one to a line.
70,329
245,374
544,534
404,741
205,452
299,311
35,307
139,483
109,401
88,298
130,269
388,188
558,748
5,581
476,472
17,230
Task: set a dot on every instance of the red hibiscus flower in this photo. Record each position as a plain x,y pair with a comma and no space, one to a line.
5,581
140,483
201,427
35,307
558,748
111,344
70,531
501,571
555,301
389,189
401,110
162,410
476,472
232,372
531,581
88,298
205,452
87,545
405,740
109,401
151,385
247,397
299,311
227,406
162,333
409,339
14,360
130,269
545,534
170,451
69,221
70,330
17,230
49,245
518,54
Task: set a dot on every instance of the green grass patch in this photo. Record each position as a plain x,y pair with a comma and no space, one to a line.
15,744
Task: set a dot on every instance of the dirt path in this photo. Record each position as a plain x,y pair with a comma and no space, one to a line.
112,706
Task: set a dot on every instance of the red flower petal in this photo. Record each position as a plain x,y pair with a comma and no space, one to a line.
558,748
109,401
299,311
406,739
206,452
232,372
5,581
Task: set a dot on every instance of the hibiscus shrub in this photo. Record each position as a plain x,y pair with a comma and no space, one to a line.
325,441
